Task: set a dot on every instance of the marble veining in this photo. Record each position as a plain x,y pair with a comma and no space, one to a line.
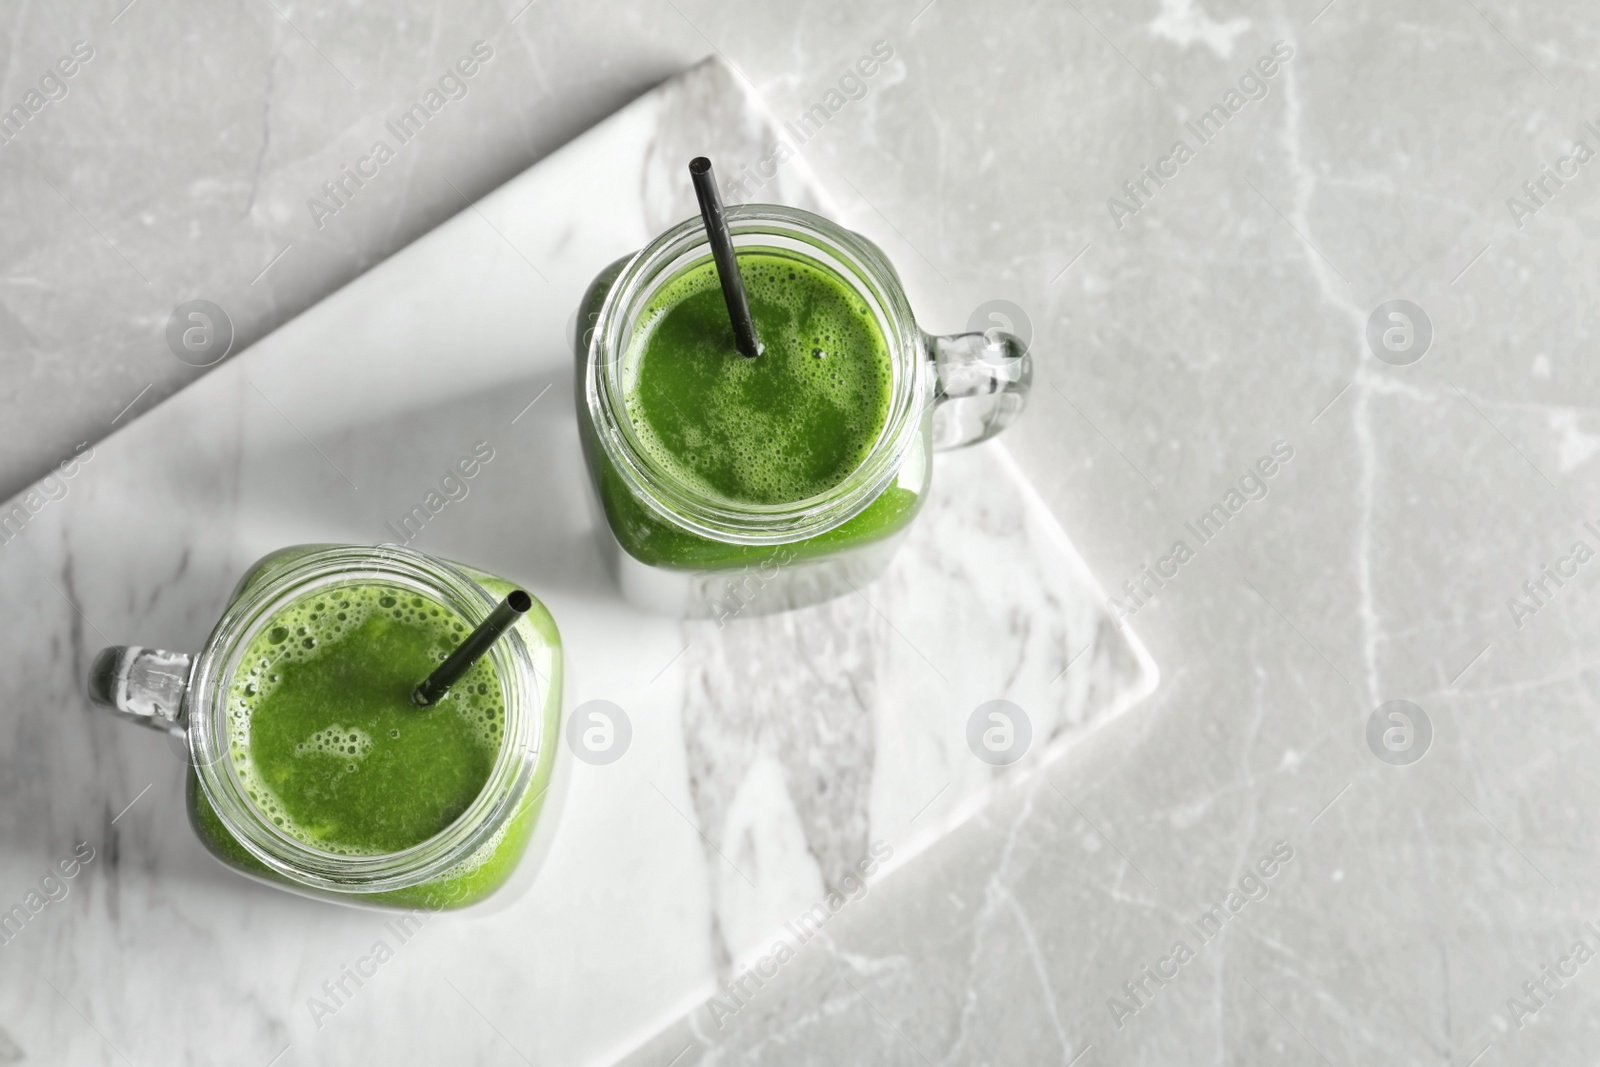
768,755
1227,312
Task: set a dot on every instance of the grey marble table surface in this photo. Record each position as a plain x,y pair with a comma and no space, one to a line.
1204,213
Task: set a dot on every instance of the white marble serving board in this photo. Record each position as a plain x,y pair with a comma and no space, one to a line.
766,757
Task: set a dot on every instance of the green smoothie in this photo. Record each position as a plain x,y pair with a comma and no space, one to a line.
790,424
325,742
325,737
782,427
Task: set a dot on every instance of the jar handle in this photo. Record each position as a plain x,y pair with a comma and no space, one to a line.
981,385
143,685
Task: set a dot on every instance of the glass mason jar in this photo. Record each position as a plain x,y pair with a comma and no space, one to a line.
188,696
682,551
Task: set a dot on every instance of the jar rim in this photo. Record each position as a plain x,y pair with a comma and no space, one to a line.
475,830
860,264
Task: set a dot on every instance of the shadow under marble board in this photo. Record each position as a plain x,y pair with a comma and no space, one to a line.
768,756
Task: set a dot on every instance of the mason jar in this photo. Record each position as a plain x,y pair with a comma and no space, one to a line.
189,696
680,550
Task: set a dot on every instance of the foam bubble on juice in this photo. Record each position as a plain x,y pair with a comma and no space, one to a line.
336,740
724,440
304,631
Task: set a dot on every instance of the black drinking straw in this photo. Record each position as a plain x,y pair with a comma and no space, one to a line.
459,662
716,220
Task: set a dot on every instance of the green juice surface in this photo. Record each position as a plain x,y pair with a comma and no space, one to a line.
784,426
324,735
